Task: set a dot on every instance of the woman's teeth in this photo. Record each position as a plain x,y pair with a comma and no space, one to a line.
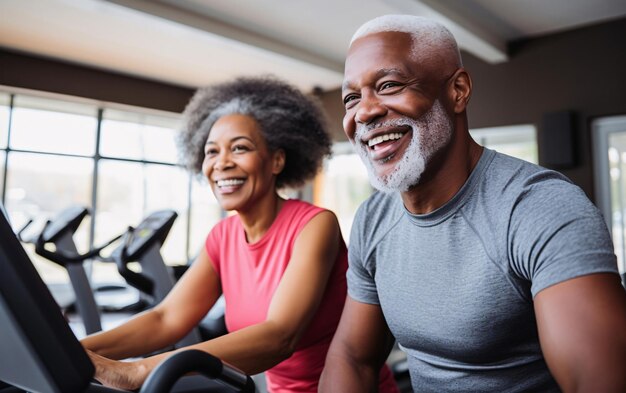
229,182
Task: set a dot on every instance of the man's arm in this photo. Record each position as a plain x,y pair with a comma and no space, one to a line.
359,348
582,330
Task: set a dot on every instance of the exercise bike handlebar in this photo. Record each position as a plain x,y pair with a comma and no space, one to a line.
136,243
19,233
62,257
165,375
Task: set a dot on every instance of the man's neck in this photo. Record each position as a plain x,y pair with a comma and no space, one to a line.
443,178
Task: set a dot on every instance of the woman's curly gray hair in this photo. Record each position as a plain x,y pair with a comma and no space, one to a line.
288,119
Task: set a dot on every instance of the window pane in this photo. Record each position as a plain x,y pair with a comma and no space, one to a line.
168,188
138,136
41,186
617,169
342,186
205,213
128,192
517,141
609,156
53,126
4,119
3,155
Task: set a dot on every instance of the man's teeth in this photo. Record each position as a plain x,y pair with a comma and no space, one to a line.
382,138
229,182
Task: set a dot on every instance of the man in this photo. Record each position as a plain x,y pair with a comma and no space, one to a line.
493,274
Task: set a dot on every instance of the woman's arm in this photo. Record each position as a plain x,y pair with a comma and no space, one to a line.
295,302
259,347
168,322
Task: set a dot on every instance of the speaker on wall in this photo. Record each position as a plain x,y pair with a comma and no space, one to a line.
557,140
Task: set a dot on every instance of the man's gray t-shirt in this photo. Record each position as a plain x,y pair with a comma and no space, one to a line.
456,285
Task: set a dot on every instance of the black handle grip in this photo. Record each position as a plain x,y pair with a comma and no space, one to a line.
165,375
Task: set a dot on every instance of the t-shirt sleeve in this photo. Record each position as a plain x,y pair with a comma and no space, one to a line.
360,275
557,234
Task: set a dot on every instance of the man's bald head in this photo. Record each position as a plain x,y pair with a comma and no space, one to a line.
428,36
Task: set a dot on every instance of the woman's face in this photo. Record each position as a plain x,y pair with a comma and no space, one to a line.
238,164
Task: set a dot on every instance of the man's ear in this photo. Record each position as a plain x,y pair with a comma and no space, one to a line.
460,90
278,161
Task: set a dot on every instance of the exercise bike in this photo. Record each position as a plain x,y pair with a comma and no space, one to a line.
59,232
39,352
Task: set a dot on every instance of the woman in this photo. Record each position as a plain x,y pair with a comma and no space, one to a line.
279,263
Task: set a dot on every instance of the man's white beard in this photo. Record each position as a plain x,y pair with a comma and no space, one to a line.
431,132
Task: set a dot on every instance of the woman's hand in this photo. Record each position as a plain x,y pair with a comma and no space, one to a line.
117,374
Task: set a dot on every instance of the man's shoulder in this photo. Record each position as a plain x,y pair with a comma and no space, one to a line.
517,186
509,185
513,175
507,166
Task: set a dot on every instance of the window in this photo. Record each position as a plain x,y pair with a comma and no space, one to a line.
205,212
138,136
129,191
343,185
609,136
40,183
40,186
46,125
5,101
121,163
518,141
2,170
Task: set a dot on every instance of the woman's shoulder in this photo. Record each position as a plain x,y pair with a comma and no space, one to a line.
301,212
298,205
225,226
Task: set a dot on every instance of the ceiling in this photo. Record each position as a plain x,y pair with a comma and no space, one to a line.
198,42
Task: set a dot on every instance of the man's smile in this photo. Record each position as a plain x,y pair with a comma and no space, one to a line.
382,147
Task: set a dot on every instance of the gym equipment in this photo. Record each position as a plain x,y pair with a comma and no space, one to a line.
166,374
156,279
398,363
141,244
39,352
59,232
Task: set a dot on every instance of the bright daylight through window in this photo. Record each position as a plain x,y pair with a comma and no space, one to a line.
120,163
